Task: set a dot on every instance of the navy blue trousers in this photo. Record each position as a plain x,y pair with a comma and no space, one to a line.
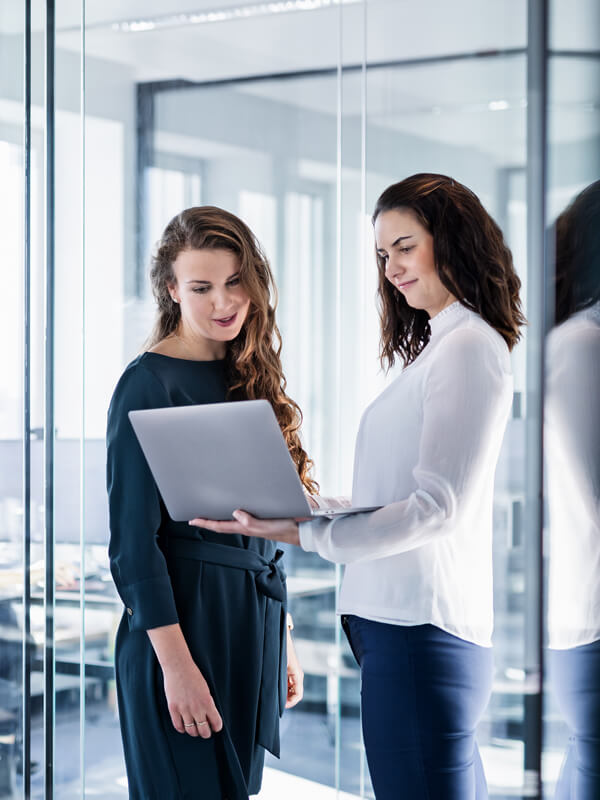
575,679
423,692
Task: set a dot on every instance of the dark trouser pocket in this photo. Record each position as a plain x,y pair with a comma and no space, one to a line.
349,624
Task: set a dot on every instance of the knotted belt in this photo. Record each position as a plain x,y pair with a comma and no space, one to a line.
269,577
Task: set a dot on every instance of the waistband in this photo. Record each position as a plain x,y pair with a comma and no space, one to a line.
269,575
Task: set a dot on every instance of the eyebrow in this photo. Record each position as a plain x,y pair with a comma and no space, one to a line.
396,241
207,283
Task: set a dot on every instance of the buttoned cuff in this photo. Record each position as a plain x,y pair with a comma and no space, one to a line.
305,530
149,603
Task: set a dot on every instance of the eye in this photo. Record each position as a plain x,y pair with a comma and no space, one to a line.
383,256
200,290
407,249
234,282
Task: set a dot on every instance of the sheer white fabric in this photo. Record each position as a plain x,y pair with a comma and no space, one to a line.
427,450
572,439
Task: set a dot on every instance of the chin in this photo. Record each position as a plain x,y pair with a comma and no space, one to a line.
416,306
230,335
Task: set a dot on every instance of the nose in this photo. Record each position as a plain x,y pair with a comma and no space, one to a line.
221,300
393,267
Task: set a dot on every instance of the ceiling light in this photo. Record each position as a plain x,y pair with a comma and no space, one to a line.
498,105
221,15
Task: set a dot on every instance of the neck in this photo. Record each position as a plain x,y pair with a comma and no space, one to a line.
447,302
198,347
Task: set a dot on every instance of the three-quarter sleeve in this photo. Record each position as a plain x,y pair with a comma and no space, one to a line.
137,563
465,406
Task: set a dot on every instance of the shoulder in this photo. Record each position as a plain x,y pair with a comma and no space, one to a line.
581,328
138,387
574,347
474,338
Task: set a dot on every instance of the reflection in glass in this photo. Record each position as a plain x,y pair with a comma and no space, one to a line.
572,441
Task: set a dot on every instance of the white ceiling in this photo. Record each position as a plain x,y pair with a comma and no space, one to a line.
395,29
444,101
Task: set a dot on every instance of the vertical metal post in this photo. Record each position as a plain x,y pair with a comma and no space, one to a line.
82,483
338,367
145,158
363,266
49,656
537,48
26,665
82,451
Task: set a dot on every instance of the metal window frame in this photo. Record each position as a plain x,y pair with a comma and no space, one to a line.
26,554
49,362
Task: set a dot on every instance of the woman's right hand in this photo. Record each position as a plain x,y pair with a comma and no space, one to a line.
190,703
191,706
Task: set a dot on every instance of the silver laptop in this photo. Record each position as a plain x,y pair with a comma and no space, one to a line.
208,460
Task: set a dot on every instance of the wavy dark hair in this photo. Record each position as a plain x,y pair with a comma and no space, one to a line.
577,257
253,357
471,259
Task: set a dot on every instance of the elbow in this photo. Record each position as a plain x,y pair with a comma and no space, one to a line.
438,500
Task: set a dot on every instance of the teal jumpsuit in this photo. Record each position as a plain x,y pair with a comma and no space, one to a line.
226,591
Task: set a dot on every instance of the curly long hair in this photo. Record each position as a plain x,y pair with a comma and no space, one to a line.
471,259
577,232
253,357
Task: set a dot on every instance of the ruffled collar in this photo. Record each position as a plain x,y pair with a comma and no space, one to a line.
446,317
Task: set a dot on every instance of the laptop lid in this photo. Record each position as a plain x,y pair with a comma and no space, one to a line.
207,460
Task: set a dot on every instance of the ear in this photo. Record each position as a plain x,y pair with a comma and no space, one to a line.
173,292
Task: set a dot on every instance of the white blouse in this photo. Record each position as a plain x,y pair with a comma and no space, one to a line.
572,445
427,450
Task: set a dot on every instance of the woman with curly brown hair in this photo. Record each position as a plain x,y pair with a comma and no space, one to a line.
200,653
416,600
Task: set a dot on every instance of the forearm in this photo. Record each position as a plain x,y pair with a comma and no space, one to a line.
170,647
393,529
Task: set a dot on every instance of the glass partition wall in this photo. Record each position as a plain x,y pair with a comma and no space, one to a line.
572,444
295,116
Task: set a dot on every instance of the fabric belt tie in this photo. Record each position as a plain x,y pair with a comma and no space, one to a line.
269,577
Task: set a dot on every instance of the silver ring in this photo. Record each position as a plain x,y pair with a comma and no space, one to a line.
188,724
202,723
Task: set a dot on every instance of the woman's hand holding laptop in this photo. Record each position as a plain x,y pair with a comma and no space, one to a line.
281,530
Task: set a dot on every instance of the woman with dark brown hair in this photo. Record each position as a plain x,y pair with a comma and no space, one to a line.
200,653
416,600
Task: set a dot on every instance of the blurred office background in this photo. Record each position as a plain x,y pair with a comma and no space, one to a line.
294,114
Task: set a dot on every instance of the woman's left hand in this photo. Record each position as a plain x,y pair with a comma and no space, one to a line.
295,675
281,530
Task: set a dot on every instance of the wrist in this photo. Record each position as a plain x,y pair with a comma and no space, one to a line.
171,650
291,535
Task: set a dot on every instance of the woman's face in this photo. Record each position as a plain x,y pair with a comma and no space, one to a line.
213,303
407,249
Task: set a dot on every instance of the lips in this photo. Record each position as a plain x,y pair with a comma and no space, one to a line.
405,284
225,322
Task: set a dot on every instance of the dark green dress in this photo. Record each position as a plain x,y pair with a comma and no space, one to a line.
227,593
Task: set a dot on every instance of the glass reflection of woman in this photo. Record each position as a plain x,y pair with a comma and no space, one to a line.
572,439
416,600
200,652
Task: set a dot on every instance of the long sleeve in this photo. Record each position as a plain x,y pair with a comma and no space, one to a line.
136,561
465,401
572,451
572,395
